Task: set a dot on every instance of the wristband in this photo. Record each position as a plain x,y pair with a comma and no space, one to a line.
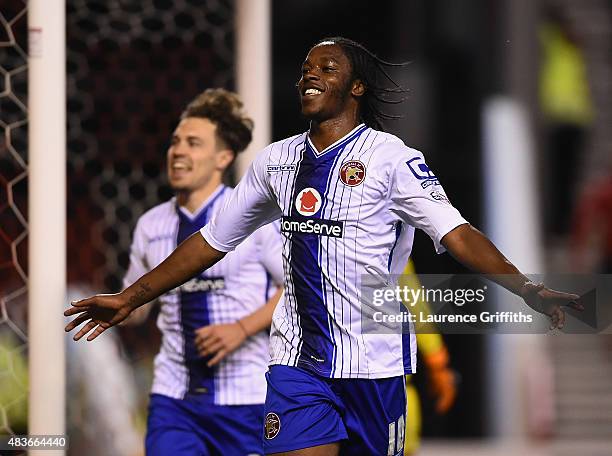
246,333
529,288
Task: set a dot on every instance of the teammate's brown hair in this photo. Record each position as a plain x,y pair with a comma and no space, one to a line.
224,109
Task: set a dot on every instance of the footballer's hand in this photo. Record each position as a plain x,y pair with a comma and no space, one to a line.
100,312
218,341
550,302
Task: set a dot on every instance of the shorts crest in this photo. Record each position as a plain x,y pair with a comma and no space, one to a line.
272,425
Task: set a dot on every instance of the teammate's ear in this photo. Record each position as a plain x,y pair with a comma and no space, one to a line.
359,88
224,159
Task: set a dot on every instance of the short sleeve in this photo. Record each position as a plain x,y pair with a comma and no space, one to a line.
252,204
418,199
270,245
138,263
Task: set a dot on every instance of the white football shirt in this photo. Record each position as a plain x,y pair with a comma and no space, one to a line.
236,286
348,214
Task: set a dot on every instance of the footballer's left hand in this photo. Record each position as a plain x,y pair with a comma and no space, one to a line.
550,302
219,341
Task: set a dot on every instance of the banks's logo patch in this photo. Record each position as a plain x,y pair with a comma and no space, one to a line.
308,201
352,173
272,425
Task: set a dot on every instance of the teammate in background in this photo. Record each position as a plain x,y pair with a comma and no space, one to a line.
209,385
349,197
442,382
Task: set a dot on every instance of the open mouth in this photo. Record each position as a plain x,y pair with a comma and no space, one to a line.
179,167
312,92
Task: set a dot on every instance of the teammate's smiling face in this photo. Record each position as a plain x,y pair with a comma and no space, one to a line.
326,86
195,155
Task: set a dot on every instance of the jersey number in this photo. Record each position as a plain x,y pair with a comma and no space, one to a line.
396,439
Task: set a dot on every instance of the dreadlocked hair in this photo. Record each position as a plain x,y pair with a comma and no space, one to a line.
381,88
224,109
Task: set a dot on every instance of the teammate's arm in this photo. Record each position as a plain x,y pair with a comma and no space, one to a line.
262,318
472,248
219,341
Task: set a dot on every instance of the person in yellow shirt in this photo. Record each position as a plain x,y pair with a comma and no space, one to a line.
434,355
567,108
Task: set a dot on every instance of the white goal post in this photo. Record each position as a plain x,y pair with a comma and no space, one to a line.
46,218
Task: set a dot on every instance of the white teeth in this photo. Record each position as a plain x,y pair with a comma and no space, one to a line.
312,92
179,166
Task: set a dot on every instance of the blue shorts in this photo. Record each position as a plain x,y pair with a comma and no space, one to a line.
304,410
195,427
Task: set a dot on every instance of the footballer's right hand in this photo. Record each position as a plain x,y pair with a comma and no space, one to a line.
550,302
100,312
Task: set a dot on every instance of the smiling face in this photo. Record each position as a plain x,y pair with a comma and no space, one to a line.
194,156
326,87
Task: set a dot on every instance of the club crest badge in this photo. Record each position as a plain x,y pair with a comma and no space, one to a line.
308,201
272,425
352,173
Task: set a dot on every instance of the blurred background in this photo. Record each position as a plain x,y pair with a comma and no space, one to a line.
489,81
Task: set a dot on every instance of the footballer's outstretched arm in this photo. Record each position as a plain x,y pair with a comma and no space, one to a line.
475,251
472,248
104,311
250,206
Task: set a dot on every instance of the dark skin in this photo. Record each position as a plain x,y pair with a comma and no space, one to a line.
333,110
